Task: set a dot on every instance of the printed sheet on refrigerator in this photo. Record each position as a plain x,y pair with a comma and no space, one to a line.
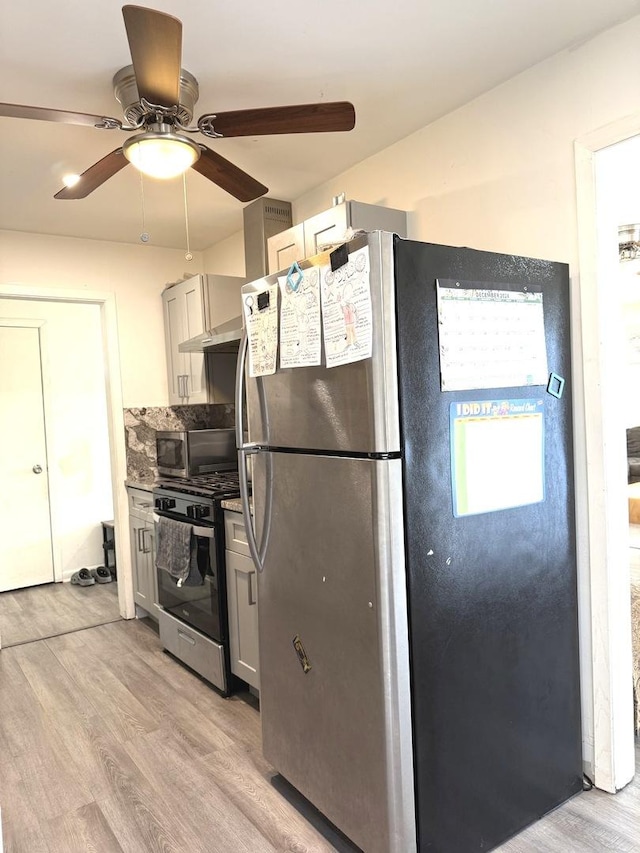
347,319
261,321
300,327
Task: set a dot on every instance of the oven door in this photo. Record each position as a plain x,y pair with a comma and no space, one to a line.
197,604
172,451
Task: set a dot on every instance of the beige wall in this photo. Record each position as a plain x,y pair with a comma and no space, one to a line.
226,257
136,274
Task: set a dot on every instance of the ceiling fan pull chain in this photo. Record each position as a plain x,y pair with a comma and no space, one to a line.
144,236
188,256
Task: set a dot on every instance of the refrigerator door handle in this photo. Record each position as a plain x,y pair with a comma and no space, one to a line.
239,401
245,450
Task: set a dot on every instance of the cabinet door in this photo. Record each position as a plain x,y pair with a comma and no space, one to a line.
242,592
285,248
193,300
184,319
235,533
150,537
174,334
142,592
372,217
325,227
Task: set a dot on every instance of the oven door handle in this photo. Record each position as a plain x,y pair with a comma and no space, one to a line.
204,532
187,638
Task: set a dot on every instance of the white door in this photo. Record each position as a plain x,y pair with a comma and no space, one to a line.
25,524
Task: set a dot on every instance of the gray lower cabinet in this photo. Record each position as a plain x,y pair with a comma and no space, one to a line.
242,600
143,550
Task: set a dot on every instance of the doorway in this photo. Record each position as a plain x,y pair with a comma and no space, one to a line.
76,529
606,570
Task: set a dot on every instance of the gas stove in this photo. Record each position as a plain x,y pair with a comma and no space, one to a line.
193,616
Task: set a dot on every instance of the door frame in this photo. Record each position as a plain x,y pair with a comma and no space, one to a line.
113,388
610,641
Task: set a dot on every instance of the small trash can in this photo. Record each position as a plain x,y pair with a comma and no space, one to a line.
109,547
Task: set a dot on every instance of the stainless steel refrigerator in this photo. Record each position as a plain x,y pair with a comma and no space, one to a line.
419,662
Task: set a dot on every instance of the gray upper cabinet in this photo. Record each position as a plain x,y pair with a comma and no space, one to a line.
302,241
184,319
191,307
285,248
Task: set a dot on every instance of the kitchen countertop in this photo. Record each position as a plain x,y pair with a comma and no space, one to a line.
234,505
146,485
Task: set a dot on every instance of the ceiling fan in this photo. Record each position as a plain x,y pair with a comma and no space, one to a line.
158,96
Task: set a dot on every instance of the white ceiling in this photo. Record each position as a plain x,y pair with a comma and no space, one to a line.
402,64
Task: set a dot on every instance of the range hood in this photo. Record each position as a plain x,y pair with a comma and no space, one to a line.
262,219
224,338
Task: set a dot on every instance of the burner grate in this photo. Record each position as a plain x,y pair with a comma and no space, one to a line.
220,486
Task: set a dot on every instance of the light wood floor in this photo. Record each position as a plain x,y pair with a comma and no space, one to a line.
55,608
108,745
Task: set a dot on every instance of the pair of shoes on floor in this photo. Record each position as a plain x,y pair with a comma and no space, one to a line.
87,577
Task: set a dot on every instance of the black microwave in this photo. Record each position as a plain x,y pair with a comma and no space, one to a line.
188,453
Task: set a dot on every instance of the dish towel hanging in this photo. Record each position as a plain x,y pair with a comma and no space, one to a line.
173,548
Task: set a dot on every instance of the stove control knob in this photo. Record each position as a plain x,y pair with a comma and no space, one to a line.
165,503
198,511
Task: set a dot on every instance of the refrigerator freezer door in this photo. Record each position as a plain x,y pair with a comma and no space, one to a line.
351,408
334,697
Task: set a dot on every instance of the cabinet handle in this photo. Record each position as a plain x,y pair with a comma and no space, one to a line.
181,385
186,637
250,597
186,385
145,550
139,531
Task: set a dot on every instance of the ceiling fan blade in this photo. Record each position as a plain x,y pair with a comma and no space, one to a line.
155,42
63,116
95,176
303,118
229,177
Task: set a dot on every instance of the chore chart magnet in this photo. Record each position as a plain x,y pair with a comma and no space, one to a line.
497,454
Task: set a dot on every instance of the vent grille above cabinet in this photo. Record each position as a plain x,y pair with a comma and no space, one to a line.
262,219
281,213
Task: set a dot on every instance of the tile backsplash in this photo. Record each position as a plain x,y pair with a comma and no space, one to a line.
140,431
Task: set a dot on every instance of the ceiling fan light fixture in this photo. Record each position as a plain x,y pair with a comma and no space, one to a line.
160,154
70,180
